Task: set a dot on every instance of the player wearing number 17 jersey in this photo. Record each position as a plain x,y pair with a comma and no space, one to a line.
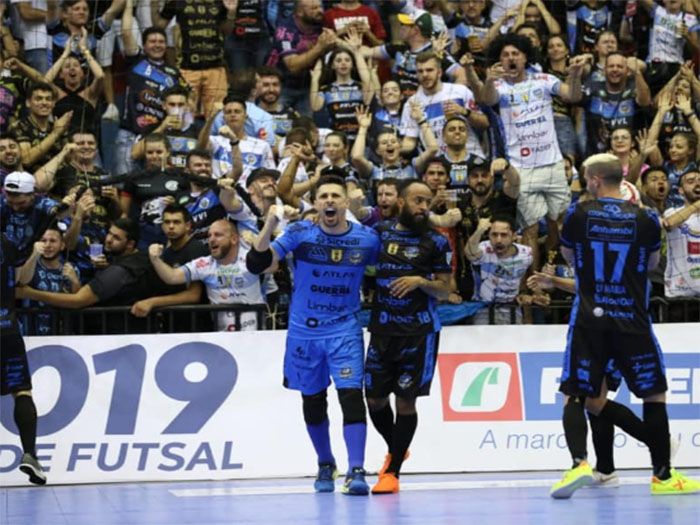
325,337
612,245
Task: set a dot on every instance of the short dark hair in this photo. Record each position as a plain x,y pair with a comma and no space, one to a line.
232,98
9,136
297,135
39,86
242,83
176,208
197,152
267,71
438,160
176,90
157,137
330,179
130,227
615,53
302,121
504,217
342,136
152,31
645,175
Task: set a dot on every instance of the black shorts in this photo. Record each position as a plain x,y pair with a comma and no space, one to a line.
14,368
402,365
637,357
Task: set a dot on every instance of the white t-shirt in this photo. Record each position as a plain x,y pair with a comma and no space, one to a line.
33,33
682,277
665,42
228,284
528,120
432,107
497,280
255,153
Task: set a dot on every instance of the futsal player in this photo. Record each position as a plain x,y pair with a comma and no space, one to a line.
412,272
324,339
15,377
612,246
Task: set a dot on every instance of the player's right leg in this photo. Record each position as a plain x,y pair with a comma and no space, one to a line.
305,369
15,379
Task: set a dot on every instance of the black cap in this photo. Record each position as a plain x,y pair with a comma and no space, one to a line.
477,163
258,173
334,170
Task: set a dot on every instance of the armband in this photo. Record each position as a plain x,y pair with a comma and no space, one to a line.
257,262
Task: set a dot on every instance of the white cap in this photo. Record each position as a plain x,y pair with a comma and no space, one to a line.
19,182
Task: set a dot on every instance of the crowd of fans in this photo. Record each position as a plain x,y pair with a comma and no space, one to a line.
226,107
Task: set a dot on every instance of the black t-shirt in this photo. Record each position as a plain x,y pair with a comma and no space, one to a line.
9,257
147,189
25,130
606,111
405,253
202,40
68,176
612,241
145,84
498,204
250,20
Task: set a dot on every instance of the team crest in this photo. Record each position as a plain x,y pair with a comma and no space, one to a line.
392,249
336,255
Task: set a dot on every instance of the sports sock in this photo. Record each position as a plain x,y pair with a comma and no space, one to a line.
621,416
603,433
321,439
404,430
355,435
656,423
25,418
575,430
383,421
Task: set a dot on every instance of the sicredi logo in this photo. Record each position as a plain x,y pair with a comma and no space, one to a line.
480,387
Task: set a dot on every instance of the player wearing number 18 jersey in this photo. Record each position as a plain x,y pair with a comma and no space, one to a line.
412,272
612,245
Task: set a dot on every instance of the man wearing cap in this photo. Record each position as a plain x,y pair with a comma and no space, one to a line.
483,201
416,30
21,211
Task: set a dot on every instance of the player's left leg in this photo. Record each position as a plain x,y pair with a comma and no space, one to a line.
346,364
25,419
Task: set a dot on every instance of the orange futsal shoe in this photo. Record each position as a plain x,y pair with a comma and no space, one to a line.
387,461
388,484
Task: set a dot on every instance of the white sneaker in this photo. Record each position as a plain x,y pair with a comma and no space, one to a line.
601,480
111,113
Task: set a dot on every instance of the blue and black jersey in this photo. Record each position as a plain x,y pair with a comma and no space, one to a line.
612,241
405,253
328,272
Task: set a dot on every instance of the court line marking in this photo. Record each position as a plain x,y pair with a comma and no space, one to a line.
271,490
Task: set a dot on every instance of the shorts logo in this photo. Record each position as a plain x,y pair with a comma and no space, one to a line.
336,255
483,387
392,249
346,373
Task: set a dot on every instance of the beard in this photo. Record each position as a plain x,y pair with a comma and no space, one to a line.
418,224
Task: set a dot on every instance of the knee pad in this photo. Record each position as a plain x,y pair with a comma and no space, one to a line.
353,405
315,408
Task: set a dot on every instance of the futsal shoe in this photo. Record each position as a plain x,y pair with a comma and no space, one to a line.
387,462
355,484
676,484
325,480
575,478
30,466
388,484
601,480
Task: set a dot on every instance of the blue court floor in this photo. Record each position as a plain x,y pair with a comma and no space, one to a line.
478,499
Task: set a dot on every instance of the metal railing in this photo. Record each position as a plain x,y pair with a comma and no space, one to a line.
201,318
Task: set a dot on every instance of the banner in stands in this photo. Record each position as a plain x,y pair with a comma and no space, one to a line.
212,406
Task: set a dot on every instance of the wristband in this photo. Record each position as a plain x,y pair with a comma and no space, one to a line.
234,142
467,112
423,121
